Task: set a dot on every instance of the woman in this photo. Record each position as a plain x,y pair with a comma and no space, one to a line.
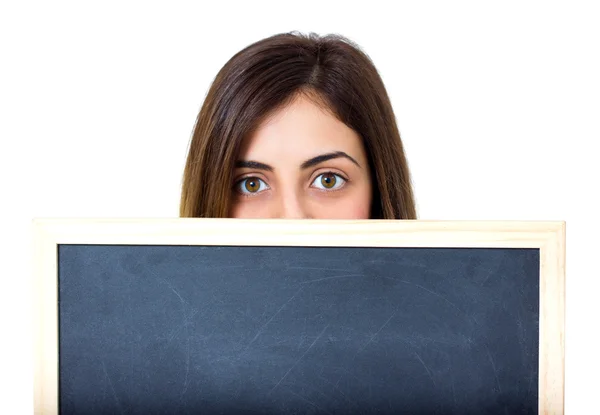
297,126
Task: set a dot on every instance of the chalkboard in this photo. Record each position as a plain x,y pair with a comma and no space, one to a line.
186,329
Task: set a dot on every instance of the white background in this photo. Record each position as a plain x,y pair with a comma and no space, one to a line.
498,106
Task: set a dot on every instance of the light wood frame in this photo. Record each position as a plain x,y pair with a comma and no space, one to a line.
549,237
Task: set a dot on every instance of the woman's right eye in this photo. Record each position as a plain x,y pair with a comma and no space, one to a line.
250,186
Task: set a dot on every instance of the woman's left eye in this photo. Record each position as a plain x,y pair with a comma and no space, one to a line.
328,181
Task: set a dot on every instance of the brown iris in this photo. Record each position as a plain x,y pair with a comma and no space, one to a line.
252,184
328,180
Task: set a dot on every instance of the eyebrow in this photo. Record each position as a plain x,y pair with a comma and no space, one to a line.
308,163
252,165
324,157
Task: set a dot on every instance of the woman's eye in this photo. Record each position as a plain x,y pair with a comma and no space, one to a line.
251,185
328,181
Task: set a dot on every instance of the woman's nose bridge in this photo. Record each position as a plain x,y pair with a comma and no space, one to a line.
292,205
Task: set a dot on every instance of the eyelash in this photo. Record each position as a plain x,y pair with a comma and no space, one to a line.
238,183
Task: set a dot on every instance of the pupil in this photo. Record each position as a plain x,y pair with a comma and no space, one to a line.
328,180
251,185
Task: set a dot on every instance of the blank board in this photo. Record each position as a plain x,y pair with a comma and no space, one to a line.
231,316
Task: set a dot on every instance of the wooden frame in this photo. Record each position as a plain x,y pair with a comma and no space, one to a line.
549,237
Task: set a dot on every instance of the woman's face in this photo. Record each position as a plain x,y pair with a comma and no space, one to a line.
302,163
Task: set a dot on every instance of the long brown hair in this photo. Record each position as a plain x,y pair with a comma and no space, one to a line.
267,75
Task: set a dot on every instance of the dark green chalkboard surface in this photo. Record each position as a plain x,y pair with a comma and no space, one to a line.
265,329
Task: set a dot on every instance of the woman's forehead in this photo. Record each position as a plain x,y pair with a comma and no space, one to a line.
300,130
